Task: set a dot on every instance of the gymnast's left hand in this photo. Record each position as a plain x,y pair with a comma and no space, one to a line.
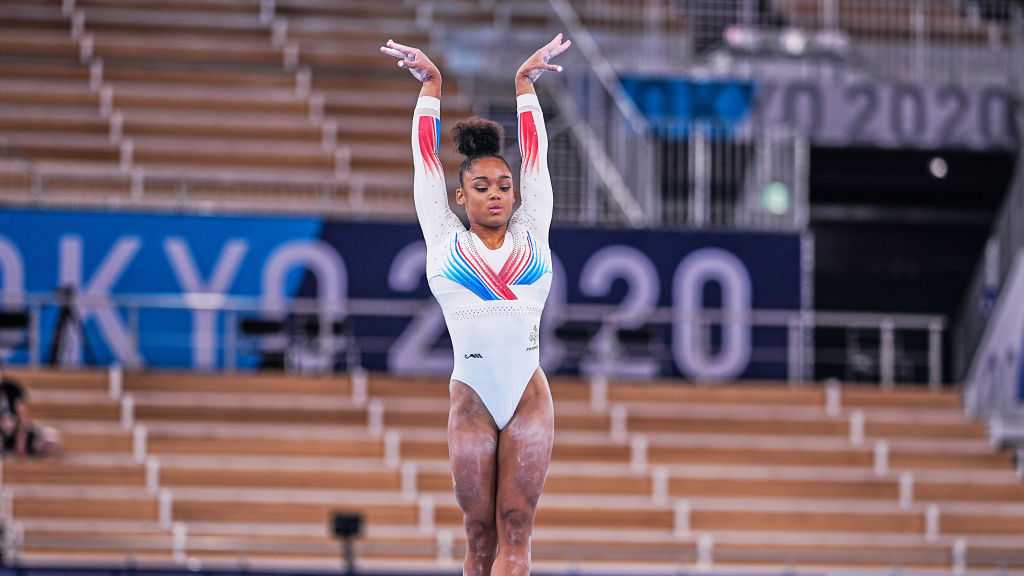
539,62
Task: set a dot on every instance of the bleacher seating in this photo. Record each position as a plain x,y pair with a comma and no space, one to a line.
246,469
216,103
122,101
898,20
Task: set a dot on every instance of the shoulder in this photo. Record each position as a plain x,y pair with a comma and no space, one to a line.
443,234
520,223
524,226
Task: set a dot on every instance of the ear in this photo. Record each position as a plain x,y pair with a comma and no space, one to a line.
460,196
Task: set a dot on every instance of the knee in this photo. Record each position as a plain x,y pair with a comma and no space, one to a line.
481,536
517,525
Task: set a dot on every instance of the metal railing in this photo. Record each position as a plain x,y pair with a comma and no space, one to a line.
623,167
958,41
891,356
955,41
228,190
611,130
713,175
680,172
643,36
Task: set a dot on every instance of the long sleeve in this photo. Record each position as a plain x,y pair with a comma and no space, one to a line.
535,179
429,194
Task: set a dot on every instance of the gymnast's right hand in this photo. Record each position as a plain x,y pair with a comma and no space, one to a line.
413,60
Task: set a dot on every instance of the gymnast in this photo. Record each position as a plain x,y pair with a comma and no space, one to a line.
491,281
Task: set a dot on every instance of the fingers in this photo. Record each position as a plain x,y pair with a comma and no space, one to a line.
560,48
554,48
401,47
400,51
557,44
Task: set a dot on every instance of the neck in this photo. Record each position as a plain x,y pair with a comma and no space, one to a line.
493,238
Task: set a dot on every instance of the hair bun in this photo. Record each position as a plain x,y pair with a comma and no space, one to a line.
477,137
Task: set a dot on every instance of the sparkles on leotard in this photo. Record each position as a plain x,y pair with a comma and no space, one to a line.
492,299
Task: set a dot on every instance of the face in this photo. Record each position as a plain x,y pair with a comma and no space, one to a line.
487,192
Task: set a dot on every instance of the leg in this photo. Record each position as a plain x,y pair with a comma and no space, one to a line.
472,452
524,453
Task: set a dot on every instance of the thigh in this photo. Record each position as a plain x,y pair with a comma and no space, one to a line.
472,453
524,450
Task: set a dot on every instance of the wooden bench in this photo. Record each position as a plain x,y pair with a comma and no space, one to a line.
269,101
34,42
191,48
361,11
23,119
162,444
284,131
219,6
100,20
21,472
44,71
92,406
356,479
211,510
177,75
232,155
238,384
892,21
44,379
47,93
53,506
100,442
278,452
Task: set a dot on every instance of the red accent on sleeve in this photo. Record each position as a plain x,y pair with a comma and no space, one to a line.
528,143
427,141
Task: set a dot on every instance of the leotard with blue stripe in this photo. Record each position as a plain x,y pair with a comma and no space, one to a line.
492,300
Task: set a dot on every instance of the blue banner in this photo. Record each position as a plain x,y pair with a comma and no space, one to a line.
680,101
151,287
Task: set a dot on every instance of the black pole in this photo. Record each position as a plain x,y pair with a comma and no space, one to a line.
350,556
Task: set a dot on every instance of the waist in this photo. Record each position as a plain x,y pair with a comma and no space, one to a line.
503,310
499,328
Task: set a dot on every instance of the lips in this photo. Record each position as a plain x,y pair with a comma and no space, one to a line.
495,209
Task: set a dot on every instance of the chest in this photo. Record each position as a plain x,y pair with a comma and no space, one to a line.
490,274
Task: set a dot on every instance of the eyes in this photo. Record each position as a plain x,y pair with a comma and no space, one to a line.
502,188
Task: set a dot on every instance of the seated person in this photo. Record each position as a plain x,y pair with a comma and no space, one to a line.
18,434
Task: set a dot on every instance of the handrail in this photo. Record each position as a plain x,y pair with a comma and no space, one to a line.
620,146
797,354
603,165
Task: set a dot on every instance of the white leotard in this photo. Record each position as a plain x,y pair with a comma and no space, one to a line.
492,299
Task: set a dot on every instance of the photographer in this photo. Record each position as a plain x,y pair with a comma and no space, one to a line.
18,434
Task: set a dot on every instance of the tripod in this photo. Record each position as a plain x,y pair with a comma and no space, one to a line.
68,318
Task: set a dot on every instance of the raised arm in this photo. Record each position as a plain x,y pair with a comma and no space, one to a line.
535,180
429,189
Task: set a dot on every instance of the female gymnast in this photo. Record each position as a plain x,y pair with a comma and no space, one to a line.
491,282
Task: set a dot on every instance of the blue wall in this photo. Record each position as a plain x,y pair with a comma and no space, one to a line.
153,254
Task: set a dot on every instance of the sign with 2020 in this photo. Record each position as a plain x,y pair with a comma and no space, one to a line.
170,290
849,110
